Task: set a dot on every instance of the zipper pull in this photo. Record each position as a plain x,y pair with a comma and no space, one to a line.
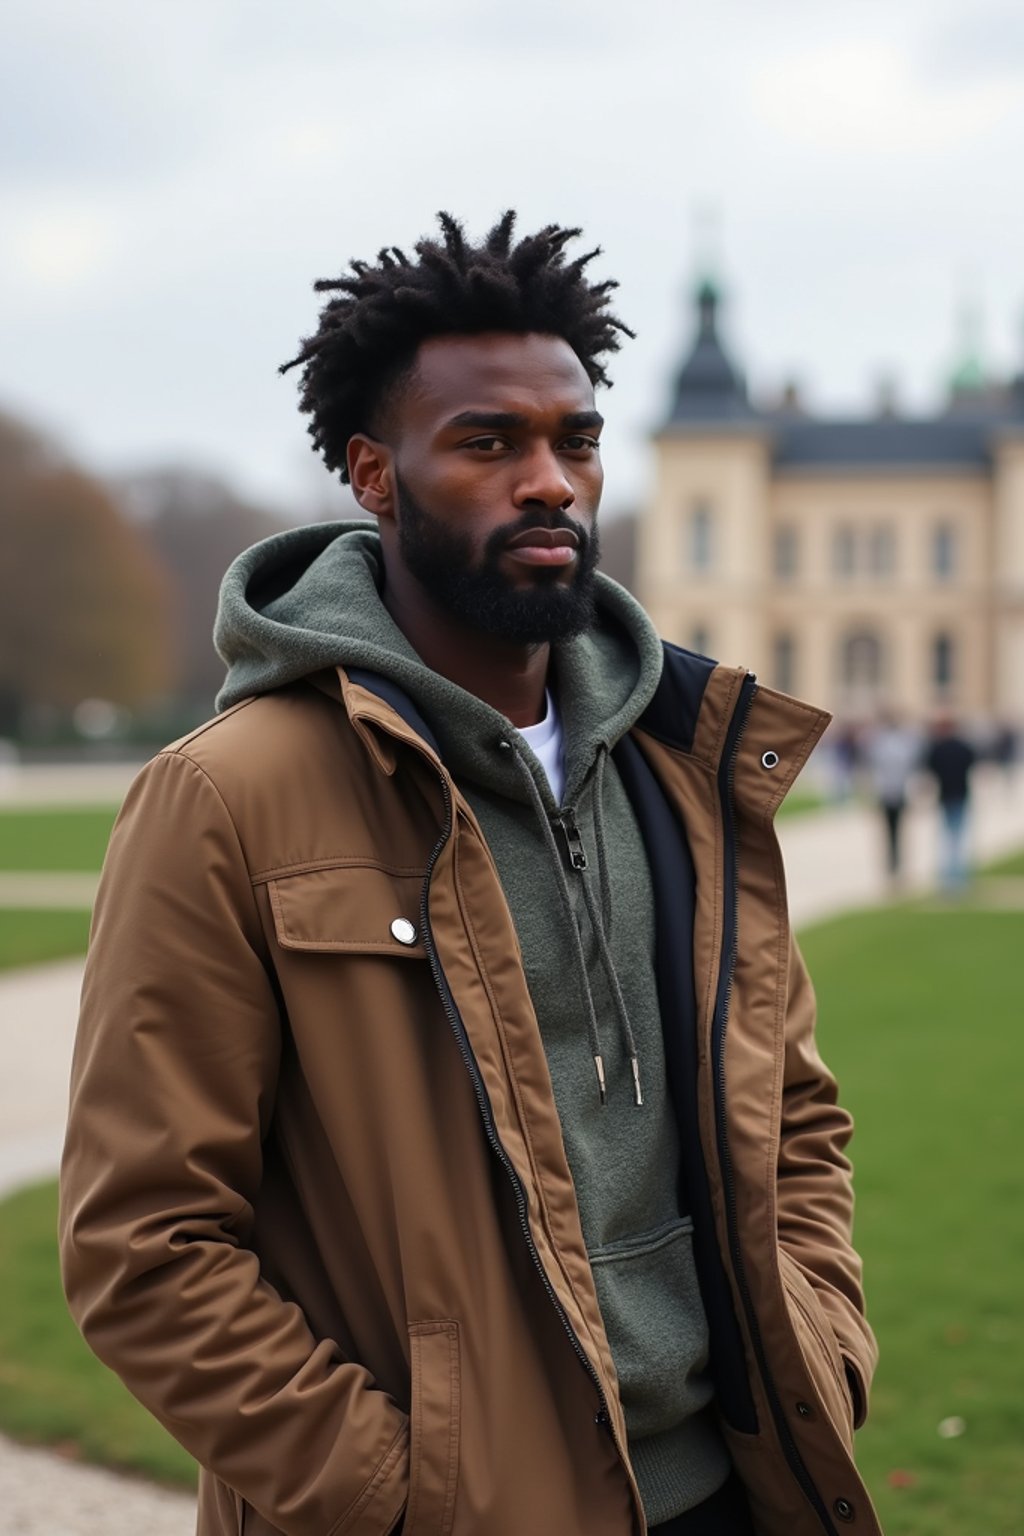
574,842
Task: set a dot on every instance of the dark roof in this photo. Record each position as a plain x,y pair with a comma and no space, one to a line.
942,441
710,392
708,387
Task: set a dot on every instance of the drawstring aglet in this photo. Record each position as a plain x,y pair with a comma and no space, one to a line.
637,1090
599,1064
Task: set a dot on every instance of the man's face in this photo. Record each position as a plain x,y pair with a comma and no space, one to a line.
498,477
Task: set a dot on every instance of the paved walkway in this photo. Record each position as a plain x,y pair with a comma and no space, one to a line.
833,861
835,858
65,784
45,1495
42,889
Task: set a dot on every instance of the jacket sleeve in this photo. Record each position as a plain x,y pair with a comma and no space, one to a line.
815,1189
172,1091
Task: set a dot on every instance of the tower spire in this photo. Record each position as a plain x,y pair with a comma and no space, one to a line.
968,378
708,387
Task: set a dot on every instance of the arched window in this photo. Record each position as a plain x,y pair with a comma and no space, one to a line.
784,663
943,662
862,661
786,553
702,540
944,551
882,548
844,551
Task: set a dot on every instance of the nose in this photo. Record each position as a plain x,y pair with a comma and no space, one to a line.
543,482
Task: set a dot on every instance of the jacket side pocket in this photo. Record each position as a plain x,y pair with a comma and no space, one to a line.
818,1345
435,1422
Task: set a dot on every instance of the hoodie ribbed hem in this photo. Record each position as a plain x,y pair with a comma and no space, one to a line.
680,1468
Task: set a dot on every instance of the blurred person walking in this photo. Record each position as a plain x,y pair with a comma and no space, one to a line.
450,1152
844,761
949,759
892,754
1005,749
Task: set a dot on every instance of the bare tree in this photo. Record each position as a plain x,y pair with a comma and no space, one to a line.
84,607
195,525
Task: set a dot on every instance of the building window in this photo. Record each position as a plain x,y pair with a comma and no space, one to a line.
700,640
784,668
844,551
786,553
943,662
944,551
701,534
882,547
862,661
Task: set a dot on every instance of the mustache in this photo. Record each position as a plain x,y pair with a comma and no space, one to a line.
501,537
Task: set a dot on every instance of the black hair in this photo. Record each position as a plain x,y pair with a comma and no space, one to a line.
369,333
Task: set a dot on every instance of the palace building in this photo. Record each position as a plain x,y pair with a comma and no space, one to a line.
860,563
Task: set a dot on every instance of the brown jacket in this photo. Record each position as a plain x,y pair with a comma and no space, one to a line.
316,1210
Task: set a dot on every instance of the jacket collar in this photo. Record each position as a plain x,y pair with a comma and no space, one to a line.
696,701
691,712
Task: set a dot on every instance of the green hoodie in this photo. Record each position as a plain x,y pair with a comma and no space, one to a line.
309,599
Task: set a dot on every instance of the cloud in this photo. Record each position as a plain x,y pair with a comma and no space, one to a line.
59,248
864,98
983,43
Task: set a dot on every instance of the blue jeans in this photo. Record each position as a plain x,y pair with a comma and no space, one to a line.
954,869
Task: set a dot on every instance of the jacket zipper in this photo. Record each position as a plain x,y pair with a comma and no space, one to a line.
573,840
602,1417
730,939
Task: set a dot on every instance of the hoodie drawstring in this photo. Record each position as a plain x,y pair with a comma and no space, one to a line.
599,919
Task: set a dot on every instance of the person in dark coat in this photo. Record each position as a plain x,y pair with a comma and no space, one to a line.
949,759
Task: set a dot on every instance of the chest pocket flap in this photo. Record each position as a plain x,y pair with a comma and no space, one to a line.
350,907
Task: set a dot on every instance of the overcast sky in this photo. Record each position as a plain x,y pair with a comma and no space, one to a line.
174,174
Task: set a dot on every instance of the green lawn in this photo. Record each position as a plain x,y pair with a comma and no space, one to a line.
55,837
920,1018
30,937
1014,865
52,1389
799,801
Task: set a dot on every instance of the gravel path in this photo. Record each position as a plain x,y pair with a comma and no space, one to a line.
65,784
45,1495
38,1011
833,862
43,889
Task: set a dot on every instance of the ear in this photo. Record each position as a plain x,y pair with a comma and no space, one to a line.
370,474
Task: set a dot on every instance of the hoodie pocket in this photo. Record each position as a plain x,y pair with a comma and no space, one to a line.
435,1422
349,907
652,1309
818,1345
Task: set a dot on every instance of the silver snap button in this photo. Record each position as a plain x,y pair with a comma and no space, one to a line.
403,931
769,759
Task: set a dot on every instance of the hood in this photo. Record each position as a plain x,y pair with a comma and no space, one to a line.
310,598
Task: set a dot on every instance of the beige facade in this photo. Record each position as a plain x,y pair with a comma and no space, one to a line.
857,564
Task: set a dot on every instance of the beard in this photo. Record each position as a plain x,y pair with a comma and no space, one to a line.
478,593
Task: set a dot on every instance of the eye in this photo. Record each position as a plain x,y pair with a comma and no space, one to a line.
488,445
578,443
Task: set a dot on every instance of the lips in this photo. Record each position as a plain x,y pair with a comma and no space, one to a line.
544,538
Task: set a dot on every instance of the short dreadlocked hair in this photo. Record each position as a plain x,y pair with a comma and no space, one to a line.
369,334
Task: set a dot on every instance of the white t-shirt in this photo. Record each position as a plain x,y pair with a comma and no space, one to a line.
545,742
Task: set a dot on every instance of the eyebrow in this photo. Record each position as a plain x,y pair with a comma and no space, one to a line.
509,421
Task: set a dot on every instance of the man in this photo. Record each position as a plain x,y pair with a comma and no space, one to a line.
893,754
449,1151
950,759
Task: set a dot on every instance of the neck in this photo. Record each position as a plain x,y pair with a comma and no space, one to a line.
510,678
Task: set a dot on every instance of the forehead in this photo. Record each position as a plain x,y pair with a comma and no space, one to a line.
497,371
